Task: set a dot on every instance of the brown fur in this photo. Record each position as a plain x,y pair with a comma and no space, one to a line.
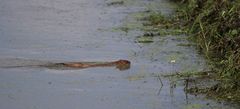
120,64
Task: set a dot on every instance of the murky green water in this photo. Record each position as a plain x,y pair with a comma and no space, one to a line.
35,32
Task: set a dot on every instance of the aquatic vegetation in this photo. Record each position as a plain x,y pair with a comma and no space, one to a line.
194,106
144,39
162,24
115,2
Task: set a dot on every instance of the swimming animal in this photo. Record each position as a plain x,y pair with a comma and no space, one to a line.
119,64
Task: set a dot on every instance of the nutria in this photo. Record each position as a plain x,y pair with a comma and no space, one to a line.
120,64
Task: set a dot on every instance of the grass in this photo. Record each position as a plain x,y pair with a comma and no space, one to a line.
214,25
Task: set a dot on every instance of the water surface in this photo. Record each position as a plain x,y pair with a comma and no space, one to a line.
35,32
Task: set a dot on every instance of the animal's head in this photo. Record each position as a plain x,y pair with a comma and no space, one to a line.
123,64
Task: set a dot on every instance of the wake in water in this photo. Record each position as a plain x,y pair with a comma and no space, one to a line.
17,62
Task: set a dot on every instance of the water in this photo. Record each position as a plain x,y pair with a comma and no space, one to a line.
35,32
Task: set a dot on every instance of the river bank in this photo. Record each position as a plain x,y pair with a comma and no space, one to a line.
214,27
